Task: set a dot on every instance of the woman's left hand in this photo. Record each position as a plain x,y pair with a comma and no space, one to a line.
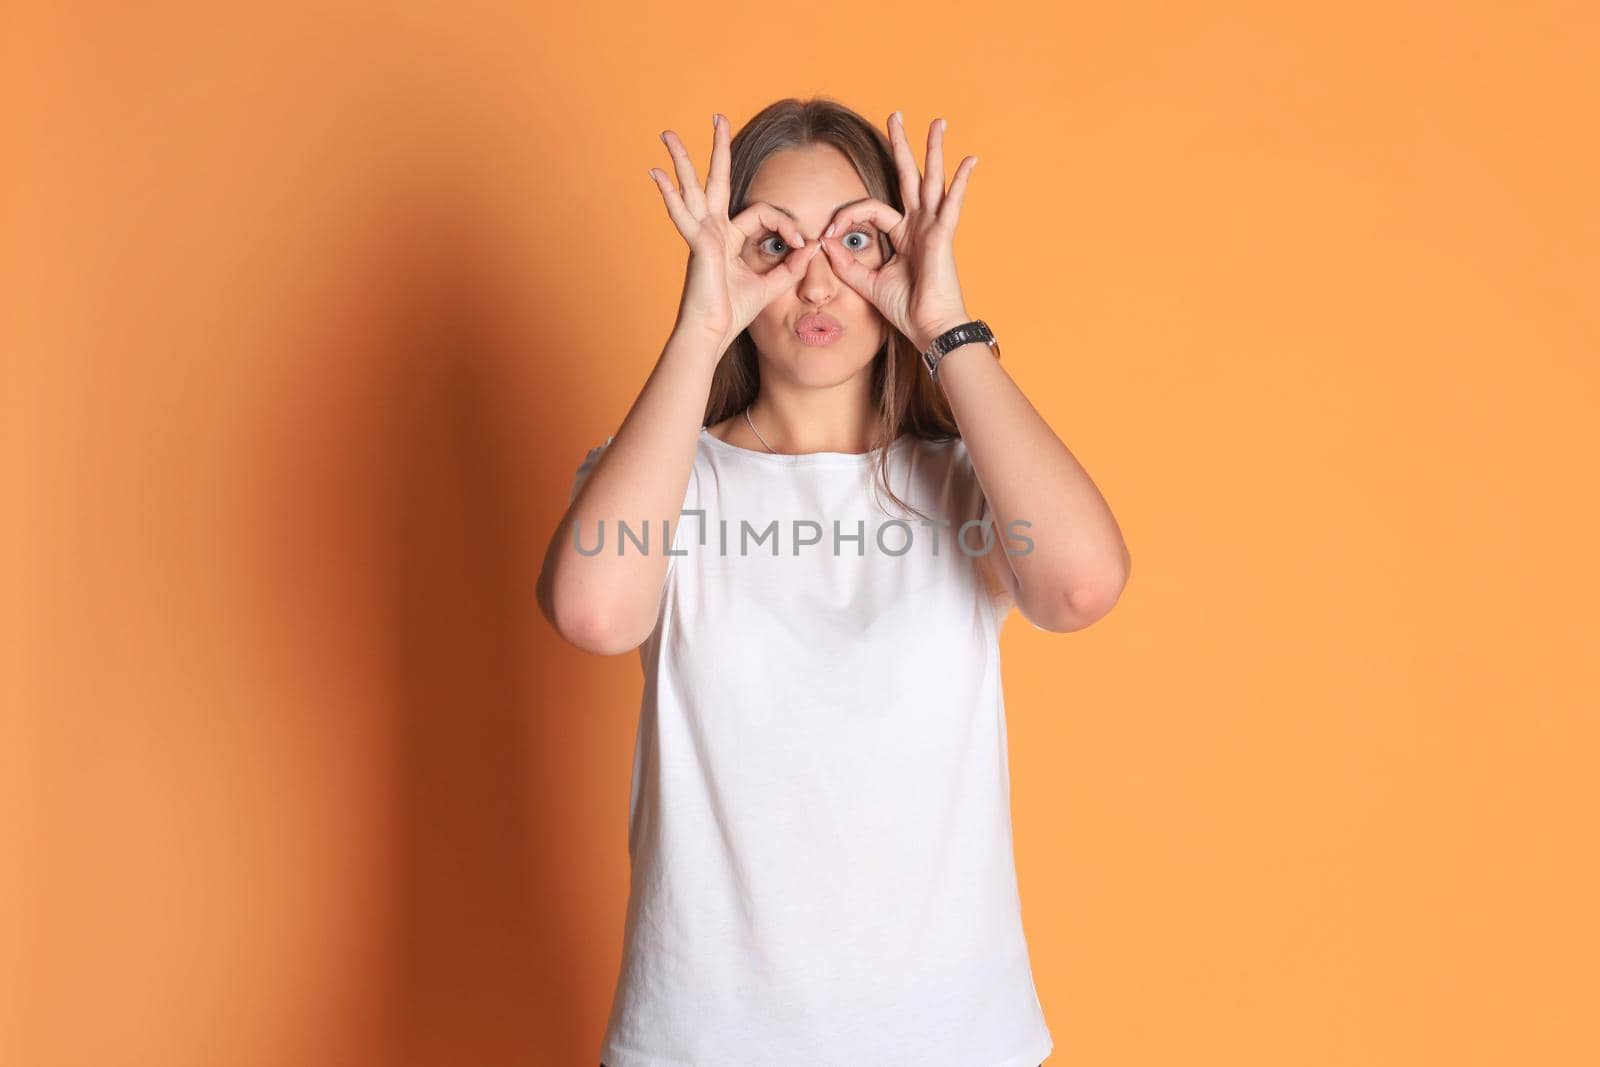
916,290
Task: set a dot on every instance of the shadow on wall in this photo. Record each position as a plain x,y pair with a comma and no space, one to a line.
403,490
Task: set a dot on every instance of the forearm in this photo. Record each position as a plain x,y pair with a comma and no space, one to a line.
1078,563
607,602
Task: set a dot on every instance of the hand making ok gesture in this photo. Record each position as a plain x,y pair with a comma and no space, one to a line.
916,290
721,294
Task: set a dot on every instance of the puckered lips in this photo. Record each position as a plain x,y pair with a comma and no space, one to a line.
818,329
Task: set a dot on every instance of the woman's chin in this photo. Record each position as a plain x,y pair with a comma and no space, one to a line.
826,366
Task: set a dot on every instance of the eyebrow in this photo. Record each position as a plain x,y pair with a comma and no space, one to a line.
836,208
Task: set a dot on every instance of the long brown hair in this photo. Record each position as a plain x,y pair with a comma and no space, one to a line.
907,400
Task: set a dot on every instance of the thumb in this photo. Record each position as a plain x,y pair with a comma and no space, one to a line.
851,272
789,271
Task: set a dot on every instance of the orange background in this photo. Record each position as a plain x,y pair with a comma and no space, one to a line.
311,311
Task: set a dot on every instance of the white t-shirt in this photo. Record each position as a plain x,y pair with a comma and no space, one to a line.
820,821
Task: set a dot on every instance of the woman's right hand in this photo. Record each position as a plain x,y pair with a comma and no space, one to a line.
722,294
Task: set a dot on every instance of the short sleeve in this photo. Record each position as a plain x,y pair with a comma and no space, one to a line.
586,466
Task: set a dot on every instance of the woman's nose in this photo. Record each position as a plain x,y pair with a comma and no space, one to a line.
818,269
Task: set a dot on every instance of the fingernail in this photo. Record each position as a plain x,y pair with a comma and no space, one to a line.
897,117
663,136
829,231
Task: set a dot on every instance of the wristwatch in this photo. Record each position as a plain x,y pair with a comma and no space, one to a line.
966,333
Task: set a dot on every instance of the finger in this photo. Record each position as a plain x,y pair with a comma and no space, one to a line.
761,217
686,223
873,215
950,211
851,271
688,181
717,184
788,272
905,163
933,177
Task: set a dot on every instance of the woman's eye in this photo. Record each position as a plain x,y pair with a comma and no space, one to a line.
782,248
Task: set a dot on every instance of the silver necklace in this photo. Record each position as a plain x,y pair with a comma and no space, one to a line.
753,429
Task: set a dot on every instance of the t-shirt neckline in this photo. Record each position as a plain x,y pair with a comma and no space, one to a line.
802,459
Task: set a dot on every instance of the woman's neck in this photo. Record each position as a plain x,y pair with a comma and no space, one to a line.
790,432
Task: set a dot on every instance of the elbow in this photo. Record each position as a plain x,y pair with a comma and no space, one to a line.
597,637
1081,606
593,632
1094,602
1089,606
578,624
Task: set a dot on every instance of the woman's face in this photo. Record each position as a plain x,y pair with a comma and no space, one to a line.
813,184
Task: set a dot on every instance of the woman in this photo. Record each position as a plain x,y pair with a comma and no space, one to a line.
820,836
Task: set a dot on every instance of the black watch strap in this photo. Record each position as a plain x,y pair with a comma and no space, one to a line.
966,333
